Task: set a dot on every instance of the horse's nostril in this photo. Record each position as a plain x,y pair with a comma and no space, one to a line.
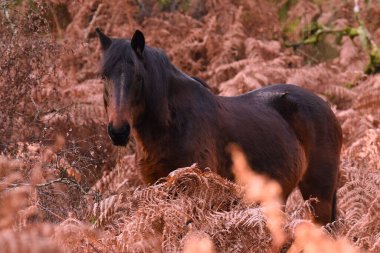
119,136
124,130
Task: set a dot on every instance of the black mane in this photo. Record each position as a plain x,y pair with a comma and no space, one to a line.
158,76
121,50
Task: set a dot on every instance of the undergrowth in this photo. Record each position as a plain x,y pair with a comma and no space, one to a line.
65,188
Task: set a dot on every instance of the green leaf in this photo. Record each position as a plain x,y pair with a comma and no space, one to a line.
311,39
363,37
352,32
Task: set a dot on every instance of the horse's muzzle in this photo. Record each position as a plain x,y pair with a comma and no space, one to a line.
119,136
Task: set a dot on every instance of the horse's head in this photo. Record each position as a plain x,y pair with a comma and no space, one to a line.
122,72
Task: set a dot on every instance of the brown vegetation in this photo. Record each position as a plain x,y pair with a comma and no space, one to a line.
65,188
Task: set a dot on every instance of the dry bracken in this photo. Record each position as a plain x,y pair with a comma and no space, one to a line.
64,188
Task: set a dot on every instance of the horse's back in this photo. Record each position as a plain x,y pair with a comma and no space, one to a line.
320,134
310,117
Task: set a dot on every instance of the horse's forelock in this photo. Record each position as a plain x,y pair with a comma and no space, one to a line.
120,50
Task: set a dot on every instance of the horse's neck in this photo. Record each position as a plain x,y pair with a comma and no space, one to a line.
161,116
153,116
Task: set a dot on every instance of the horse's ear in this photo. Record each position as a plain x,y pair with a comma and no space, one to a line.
105,41
138,43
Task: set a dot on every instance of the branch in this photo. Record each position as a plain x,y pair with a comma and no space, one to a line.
62,180
6,14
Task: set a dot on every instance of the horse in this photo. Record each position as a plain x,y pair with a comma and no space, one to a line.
287,132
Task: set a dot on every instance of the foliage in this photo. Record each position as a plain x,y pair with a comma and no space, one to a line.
313,33
66,189
172,5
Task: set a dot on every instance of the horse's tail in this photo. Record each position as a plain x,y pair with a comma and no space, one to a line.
288,108
320,135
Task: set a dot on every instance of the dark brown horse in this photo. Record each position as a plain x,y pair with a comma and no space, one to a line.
286,132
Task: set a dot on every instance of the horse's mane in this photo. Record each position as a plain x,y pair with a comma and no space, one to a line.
122,51
117,52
